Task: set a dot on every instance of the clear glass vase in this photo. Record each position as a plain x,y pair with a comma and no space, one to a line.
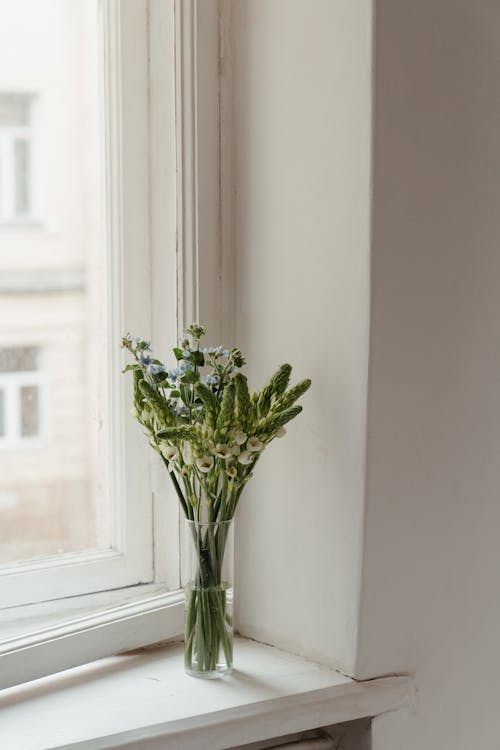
208,562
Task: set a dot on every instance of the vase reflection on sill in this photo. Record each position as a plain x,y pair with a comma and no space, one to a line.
208,585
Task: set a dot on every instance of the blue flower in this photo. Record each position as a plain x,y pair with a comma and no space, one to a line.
155,369
136,340
183,366
211,379
143,358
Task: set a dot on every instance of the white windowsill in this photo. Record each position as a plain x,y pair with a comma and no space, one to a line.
143,700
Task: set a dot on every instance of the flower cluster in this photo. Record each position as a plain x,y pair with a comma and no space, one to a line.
204,423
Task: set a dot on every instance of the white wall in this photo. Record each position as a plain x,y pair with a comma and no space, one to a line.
432,559
302,129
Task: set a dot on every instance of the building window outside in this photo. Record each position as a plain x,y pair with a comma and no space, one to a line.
20,397
16,157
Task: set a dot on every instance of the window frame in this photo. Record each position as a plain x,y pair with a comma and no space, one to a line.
8,185
184,243
11,383
125,555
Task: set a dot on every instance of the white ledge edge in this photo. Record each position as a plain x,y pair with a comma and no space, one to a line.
263,719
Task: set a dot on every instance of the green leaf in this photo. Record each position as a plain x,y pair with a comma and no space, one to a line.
197,358
127,368
183,432
190,377
178,353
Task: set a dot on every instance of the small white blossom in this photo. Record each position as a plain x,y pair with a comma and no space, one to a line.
232,472
222,451
205,463
245,458
134,413
281,432
170,452
187,454
239,437
254,445
145,415
235,450
185,471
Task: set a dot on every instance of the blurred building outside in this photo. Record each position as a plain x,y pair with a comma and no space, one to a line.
50,277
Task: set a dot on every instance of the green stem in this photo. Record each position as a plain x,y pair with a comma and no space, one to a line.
207,618
178,490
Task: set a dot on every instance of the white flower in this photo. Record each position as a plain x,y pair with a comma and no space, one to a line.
205,463
254,445
185,471
281,432
134,413
232,472
145,415
187,454
222,451
235,450
170,452
245,458
239,437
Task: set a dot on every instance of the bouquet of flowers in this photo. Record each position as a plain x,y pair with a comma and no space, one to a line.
209,431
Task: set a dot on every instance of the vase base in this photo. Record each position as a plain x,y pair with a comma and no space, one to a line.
211,674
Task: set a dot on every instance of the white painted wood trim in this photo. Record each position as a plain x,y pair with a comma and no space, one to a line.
85,639
187,183
146,702
322,743
227,177
163,234
198,160
266,718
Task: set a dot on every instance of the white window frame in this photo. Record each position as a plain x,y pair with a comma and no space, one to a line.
8,136
10,385
125,557
177,190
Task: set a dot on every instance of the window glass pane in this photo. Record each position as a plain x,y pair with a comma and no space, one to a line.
14,108
18,359
2,414
21,176
52,285
29,410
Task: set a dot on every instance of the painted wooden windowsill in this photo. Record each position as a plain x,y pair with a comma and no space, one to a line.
144,700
